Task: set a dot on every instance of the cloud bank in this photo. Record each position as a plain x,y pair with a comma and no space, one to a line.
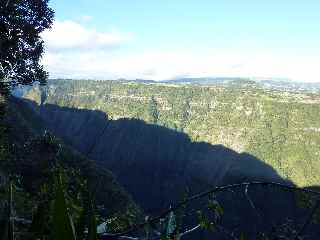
75,51
69,35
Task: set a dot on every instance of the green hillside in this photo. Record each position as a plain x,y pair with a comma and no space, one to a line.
32,154
280,127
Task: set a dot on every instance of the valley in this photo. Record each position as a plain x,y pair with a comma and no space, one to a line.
159,120
279,127
158,142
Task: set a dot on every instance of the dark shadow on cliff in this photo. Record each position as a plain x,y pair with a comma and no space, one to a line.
158,165
32,157
135,150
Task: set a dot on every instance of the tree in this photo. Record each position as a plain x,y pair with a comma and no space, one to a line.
21,46
153,110
185,113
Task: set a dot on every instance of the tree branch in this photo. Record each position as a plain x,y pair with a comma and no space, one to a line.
206,193
189,231
251,202
128,238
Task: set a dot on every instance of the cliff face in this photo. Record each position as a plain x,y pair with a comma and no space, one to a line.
279,127
155,164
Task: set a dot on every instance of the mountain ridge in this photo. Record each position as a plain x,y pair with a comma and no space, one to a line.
279,127
158,165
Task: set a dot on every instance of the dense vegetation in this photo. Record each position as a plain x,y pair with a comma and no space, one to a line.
157,164
149,136
279,127
21,46
31,158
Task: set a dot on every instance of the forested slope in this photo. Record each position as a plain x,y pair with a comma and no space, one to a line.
32,155
280,127
159,165
154,163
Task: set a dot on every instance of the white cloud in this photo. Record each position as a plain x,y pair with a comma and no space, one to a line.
86,18
71,35
78,52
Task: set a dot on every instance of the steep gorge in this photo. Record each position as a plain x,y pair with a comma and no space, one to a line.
155,163
279,127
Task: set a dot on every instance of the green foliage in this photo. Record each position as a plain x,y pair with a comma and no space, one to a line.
4,144
215,209
208,114
21,45
278,127
54,215
172,225
242,236
49,201
210,218
92,229
40,221
153,110
205,222
4,147
63,228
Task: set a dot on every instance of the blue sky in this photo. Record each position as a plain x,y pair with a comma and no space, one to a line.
167,39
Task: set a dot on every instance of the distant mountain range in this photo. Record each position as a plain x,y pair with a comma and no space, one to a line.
282,84
267,83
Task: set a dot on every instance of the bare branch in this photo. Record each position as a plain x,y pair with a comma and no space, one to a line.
128,238
159,234
251,203
189,231
136,227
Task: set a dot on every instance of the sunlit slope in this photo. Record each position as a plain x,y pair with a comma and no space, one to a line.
280,127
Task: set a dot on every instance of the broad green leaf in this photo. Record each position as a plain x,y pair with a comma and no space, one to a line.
62,224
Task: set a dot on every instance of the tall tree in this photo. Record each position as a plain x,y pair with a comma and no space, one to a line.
185,112
153,110
21,46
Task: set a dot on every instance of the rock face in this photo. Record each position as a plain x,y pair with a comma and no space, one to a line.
157,165
154,163
278,127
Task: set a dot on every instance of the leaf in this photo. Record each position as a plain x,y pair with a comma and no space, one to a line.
39,220
62,224
92,234
80,224
242,236
171,227
205,222
216,209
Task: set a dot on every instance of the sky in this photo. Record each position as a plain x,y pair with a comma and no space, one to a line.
168,39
